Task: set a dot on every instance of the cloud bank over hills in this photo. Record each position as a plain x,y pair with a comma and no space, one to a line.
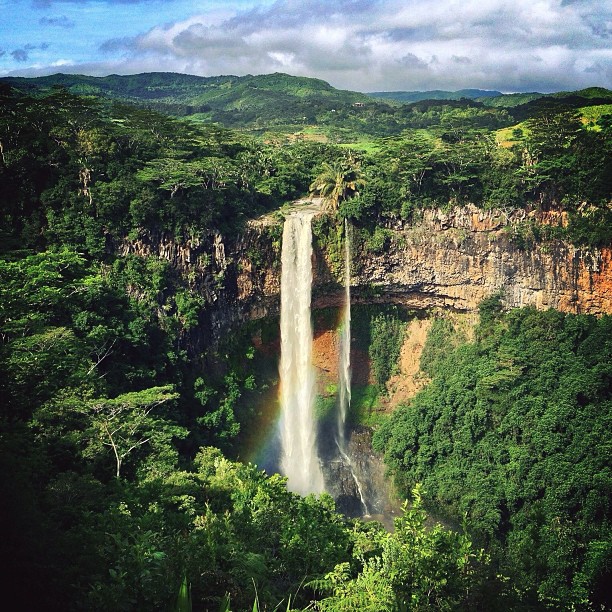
509,45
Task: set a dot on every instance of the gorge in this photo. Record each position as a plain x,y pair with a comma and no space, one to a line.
448,261
459,328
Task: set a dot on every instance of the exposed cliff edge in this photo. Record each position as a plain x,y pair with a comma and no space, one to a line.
456,259
448,259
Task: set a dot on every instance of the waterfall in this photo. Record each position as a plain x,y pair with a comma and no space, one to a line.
299,461
345,344
344,371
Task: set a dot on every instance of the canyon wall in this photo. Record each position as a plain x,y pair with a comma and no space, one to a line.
454,260
449,260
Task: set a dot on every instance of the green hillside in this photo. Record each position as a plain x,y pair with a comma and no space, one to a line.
494,99
179,87
516,99
281,105
307,108
231,100
594,96
407,97
588,92
510,100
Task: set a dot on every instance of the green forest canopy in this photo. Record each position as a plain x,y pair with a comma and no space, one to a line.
110,501
511,435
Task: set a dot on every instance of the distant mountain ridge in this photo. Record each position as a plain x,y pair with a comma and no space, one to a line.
408,97
489,97
225,91
234,101
287,103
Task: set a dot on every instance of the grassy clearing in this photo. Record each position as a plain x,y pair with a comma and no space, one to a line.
591,114
507,137
367,146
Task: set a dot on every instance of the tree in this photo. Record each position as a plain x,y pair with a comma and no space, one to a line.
410,160
508,435
339,181
550,155
414,568
128,422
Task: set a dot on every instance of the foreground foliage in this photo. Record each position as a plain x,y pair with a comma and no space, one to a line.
414,568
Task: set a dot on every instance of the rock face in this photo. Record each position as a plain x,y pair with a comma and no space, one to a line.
356,478
456,259
448,260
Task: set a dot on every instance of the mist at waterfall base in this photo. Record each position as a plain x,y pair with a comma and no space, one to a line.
318,454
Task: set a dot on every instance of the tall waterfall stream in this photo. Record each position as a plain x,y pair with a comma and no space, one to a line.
299,458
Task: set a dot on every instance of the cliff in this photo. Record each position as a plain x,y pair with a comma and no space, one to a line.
456,259
452,260
449,260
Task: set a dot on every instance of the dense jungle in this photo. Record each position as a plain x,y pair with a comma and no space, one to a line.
129,399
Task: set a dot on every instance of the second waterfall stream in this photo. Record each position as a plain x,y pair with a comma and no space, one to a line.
345,345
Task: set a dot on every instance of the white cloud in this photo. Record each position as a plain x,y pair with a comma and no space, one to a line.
387,44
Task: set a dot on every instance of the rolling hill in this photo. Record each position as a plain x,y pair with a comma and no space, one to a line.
408,97
231,100
289,104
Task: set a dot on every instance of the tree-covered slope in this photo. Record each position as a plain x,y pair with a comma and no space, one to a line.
434,94
77,170
512,435
230,100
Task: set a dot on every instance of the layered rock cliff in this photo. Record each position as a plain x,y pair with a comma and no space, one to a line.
456,259
450,260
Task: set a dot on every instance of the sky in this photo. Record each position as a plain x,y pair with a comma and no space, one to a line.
362,45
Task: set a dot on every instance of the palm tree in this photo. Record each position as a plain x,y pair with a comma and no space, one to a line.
338,181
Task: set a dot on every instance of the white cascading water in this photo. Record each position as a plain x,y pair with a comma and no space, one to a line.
345,344
345,369
299,460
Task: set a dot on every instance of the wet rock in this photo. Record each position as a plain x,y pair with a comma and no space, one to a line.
355,477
